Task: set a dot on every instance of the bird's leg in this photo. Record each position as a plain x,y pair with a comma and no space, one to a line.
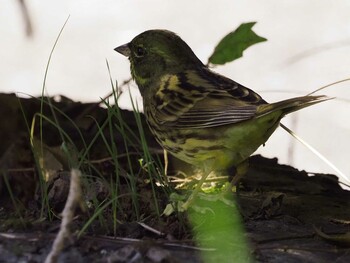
241,170
166,164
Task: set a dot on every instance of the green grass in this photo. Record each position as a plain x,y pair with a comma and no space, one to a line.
76,153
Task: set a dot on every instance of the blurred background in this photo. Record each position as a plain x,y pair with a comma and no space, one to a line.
308,47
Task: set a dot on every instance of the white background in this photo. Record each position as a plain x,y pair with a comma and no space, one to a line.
308,46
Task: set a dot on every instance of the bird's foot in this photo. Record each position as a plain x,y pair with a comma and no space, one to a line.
200,202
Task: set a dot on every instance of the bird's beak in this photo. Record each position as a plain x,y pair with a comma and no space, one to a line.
124,50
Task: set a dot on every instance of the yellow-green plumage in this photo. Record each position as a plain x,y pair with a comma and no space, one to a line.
197,115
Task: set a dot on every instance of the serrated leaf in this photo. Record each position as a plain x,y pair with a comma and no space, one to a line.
233,44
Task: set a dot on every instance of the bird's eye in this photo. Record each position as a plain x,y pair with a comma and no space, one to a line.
140,51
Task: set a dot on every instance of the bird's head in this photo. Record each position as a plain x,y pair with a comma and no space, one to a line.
155,53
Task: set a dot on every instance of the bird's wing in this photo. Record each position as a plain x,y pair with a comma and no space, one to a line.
202,100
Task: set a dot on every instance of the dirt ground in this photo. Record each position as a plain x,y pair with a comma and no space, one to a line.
287,215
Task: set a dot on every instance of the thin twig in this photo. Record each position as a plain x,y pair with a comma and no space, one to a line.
73,201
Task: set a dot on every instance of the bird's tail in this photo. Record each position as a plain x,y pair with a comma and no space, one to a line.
291,105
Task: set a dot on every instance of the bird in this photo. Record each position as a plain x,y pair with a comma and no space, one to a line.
199,116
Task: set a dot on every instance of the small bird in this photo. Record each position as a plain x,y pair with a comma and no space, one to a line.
197,115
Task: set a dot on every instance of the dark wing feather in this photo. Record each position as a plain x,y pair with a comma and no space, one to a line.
203,99
215,117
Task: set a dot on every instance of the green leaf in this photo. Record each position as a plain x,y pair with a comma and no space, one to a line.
233,44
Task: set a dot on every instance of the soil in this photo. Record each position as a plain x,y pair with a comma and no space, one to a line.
287,215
